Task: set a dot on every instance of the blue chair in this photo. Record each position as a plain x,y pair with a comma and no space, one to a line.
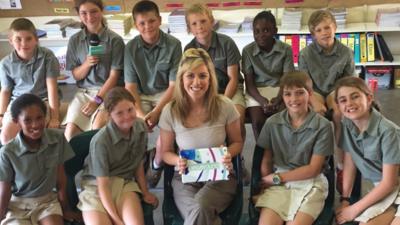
230,216
327,214
80,145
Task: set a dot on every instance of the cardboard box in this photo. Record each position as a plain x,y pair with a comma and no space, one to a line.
382,74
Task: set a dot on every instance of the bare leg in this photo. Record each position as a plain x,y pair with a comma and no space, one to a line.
385,218
71,130
96,218
131,209
269,217
100,120
52,220
301,219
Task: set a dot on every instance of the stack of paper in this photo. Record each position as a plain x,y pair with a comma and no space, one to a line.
228,27
388,17
247,24
176,21
291,19
120,23
340,17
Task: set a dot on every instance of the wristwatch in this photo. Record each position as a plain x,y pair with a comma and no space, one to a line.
276,179
98,100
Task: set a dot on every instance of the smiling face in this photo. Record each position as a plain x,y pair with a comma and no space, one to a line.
353,103
24,43
324,34
196,82
296,99
263,32
32,121
91,16
123,114
200,25
148,24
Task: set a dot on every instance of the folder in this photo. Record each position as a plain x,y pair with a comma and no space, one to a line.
387,54
302,42
370,47
343,39
363,47
351,41
357,48
295,47
378,49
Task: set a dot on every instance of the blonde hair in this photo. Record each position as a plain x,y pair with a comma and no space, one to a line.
191,59
198,9
318,16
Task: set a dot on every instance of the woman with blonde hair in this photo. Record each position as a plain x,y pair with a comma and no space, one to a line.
198,117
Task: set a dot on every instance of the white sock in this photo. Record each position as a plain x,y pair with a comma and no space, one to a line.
155,165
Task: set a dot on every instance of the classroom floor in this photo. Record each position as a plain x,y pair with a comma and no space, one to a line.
389,101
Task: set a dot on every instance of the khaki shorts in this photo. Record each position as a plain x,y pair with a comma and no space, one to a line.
74,113
381,206
307,196
329,101
29,211
149,102
89,199
238,97
266,92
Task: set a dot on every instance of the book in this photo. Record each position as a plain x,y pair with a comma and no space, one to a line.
363,47
356,48
378,48
295,47
344,39
204,164
387,54
370,47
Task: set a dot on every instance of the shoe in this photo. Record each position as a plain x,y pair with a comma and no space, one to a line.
153,175
339,181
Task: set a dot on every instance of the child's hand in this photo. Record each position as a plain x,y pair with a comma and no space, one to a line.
53,123
151,199
70,216
151,119
92,60
346,214
266,181
89,108
182,165
318,107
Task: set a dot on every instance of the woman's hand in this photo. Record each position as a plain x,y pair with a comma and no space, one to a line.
151,199
89,108
227,161
182,165
346,213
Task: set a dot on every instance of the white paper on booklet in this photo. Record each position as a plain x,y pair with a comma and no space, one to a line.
204,164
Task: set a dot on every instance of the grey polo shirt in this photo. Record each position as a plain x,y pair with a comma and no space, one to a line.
326,69
223,52
113,155
28,77
33,173
267,68
379,144
152,68
293,148
112,59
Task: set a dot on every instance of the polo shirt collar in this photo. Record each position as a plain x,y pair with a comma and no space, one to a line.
334,50
116,134
37,54
308,123
24,148
160,43
373,125
214,41
277,47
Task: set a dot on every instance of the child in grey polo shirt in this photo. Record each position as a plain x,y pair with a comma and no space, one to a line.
31,167
264,62
296,143
30,68
151,63
372,145
113,178
95,74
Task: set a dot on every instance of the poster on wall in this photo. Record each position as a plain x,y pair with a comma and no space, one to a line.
10,4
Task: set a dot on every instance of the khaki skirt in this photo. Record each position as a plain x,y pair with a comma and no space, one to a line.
381,206
307,196
31,210
89,199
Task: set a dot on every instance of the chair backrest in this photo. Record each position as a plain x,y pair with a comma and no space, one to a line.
230,216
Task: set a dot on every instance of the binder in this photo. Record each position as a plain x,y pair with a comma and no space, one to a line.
378,49
357,48
295,47
302,42
343,39
350,41
387,54
370,47
309,39
363,47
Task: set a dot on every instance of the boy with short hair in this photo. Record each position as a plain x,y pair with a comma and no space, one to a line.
30,68
150,67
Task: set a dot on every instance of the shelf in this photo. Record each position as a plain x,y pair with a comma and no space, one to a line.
396,62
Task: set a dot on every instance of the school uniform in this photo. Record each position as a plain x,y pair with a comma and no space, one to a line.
22,77
292,148
267,68
379,144
115,156
152,68
325,69
112,59
201,203
32,174
223,53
